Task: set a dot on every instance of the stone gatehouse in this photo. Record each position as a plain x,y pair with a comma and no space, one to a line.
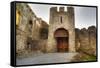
61,36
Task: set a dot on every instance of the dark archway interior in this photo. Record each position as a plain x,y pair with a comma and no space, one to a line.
62,38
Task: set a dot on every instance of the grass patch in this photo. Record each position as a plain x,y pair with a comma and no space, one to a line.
88,58
84,57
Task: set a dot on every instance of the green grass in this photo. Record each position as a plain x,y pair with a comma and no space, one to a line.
88,58
84,57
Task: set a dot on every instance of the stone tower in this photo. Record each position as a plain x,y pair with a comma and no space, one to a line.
61,36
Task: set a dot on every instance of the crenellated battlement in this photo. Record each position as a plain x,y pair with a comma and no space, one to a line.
62,9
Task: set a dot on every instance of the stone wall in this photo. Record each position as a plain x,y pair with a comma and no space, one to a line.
86,40
28,28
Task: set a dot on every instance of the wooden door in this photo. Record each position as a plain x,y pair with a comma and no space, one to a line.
62,44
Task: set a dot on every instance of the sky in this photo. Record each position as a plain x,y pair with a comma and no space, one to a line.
84,16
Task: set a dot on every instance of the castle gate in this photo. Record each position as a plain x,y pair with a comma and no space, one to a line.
62,37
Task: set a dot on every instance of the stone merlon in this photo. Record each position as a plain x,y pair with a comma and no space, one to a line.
54,9
70,9
61,9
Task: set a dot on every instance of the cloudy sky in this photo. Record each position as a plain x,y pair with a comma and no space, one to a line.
84,16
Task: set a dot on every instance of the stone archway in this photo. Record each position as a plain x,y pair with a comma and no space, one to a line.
62,39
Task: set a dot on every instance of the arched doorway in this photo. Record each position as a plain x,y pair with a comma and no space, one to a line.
62,38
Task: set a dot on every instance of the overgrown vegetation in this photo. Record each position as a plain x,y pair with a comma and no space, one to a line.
84,57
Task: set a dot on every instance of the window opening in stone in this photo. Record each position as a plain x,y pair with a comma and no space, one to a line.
30,25
61,19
